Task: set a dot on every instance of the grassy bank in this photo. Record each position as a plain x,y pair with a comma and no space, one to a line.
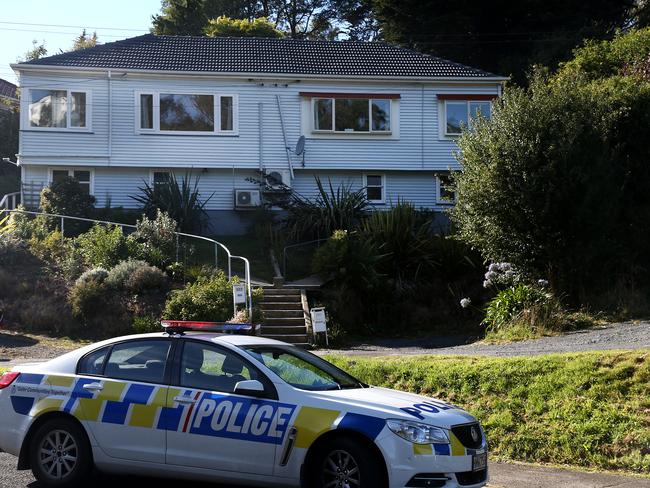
590,409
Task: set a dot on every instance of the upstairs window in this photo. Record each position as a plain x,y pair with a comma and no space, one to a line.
58,109
461,113
189,113
352,115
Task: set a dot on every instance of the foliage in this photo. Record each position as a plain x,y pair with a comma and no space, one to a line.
37,51
84,41
68,197
509,305
226,27
146,278
9,128
12,250
119,276
556,182
51,247
154,240
86,298
480,34
180,200
98,275
208,299
340,209
103,245
587,410
146,324
298,18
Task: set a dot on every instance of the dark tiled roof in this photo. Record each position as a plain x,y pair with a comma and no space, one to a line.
261,55
8,89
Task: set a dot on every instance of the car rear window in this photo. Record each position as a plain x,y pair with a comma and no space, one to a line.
142,361
93,363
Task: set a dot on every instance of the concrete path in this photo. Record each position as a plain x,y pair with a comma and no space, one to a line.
516,475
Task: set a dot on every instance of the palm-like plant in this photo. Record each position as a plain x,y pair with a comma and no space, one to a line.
181,200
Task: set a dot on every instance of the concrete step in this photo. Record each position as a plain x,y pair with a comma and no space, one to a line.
282,291
268,330
276,314
284,321
280,306
290,338
281,299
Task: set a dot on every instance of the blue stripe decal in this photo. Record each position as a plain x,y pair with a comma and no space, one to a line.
22,405
365,424
77,392
138,394
31,379
170,418
115,412
442,449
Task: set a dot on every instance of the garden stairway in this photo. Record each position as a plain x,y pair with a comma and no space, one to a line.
284,315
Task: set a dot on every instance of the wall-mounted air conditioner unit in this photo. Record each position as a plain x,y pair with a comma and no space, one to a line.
247,199
278,179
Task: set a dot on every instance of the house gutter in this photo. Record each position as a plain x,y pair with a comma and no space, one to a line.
110,117
260,116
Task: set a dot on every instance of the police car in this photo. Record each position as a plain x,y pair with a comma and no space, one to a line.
233,409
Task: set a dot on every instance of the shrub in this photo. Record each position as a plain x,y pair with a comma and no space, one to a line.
68,197
520,302
146,278
103,246
154,240
12,250
208,299
97,275
332,209
119,276
87,298
146,324
51,247
180,200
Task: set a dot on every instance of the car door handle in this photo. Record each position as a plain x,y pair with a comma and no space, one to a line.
185,400
93,387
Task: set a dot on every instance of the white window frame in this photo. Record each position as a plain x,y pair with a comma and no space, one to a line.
467,102
217,114
439,199
71,170
383,187
151,174
333,130
26,125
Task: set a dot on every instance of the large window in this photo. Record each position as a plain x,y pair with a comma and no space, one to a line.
189,113
142,361
461,113
83,176
58,109
352,115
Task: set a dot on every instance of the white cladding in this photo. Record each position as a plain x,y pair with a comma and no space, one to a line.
121,158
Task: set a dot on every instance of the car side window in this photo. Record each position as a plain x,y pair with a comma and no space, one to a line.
142,361
93,363
205,367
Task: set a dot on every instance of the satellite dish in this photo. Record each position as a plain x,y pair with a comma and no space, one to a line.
300,146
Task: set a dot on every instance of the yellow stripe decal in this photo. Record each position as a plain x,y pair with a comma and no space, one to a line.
311,423
423,449
144,415
457,448
64,381
47,405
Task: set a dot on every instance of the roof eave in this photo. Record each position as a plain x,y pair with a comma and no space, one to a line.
78,69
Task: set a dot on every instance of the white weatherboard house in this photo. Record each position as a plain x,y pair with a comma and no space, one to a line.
229,109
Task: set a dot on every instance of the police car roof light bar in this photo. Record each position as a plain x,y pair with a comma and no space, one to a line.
182,326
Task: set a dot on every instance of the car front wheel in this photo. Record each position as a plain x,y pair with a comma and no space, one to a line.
60,454
344,463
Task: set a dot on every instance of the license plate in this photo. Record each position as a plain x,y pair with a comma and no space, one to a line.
479,461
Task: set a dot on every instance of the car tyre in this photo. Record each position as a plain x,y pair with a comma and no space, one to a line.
60,454
345,463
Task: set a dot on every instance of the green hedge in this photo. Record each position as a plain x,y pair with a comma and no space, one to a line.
589,409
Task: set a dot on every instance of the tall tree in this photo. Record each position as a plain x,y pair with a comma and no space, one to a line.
227,27
500,36
36,52
181,17
84,41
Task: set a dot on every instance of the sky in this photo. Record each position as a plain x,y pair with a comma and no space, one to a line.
58,22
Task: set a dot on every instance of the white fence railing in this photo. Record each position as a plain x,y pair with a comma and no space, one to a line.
10,201
216,244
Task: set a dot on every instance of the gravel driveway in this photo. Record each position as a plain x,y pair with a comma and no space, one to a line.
625,335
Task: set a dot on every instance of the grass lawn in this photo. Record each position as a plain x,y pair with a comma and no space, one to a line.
588,409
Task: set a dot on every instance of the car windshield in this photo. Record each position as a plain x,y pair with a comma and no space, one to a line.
302,369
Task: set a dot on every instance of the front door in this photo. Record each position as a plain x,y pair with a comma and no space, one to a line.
217,429
123,403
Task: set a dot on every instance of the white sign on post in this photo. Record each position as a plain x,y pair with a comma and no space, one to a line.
239,293
319,322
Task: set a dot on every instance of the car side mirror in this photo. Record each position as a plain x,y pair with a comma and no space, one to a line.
249,388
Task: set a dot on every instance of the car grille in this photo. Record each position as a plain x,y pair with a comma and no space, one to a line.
471,477
428,480
464,435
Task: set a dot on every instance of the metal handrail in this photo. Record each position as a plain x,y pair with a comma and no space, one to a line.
217,244
13,197
300,244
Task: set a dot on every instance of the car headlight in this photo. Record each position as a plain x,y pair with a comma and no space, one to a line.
418,433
